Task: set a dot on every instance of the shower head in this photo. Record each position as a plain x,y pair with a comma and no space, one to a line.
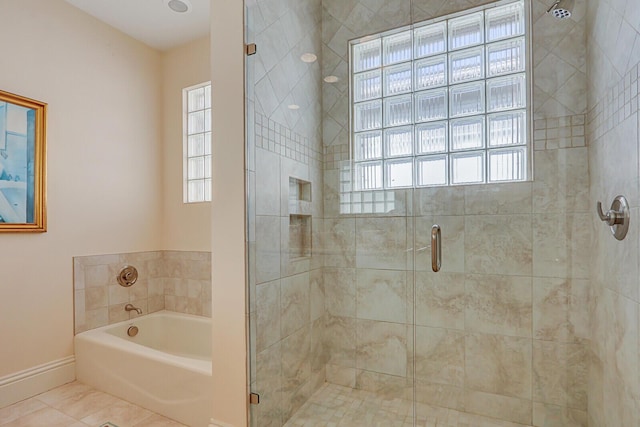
561,9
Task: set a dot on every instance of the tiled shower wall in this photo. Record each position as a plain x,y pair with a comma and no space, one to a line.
613,123
285,216
502,330
172,280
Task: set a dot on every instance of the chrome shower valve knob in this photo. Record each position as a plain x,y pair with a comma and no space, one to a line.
611,217
617,217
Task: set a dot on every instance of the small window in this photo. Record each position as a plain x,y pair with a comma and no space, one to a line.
443,102
197,143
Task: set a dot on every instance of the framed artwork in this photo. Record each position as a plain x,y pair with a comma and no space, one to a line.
22,164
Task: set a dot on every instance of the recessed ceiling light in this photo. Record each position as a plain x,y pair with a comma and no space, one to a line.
179,6
293,107
308,57
331,79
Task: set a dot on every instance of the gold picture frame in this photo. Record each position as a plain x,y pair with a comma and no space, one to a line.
22,164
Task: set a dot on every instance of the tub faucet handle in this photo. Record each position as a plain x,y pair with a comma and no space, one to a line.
130,307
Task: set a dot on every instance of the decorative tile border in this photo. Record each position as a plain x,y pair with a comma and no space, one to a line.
277,138
616,105
559,132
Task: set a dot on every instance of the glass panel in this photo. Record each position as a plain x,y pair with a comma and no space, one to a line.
207,143
207,96
367,86
368,115
397,48
467,133
466,65
467,168
196,122
398,141
431,137
397,110
207,120
507,165
467,99
207,166
196,145
196,190
196,168
397,79
466,31
399,173
506,93
508,128
505,57
430,72
196,99
368,146
505,21
430,39
431,170
431,105
207,190
366,55
368,176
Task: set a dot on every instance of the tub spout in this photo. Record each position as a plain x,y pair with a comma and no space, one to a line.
130,307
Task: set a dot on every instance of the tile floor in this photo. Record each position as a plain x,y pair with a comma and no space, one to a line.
78,405
337,406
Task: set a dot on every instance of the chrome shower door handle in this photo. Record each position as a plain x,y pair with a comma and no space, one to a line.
436,248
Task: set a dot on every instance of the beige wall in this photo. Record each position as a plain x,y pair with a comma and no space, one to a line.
104,158
229,320
614,146
185,226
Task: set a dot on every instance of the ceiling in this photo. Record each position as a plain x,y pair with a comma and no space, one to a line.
151,21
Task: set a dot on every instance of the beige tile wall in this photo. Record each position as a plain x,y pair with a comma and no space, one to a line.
503,329
612,134
176,281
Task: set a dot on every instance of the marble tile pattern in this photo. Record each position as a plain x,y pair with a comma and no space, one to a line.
171,280
78,405
613,58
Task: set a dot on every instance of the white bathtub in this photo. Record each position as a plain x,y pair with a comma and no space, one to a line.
166,368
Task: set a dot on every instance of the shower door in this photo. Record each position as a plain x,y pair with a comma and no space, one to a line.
330,265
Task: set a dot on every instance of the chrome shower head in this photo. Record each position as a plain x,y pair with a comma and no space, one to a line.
562,9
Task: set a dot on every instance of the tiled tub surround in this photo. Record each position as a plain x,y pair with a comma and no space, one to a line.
171,280
614,146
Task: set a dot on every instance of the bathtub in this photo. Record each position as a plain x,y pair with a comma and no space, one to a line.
166,368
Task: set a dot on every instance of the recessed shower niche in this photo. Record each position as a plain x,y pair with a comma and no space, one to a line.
299,219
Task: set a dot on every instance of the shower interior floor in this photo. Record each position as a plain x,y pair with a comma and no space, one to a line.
337,406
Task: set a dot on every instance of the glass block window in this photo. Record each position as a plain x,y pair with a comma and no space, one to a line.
197,143
442,102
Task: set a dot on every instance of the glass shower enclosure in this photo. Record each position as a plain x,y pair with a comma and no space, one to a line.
368,123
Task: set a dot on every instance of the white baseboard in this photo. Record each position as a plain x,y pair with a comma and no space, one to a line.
30,382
